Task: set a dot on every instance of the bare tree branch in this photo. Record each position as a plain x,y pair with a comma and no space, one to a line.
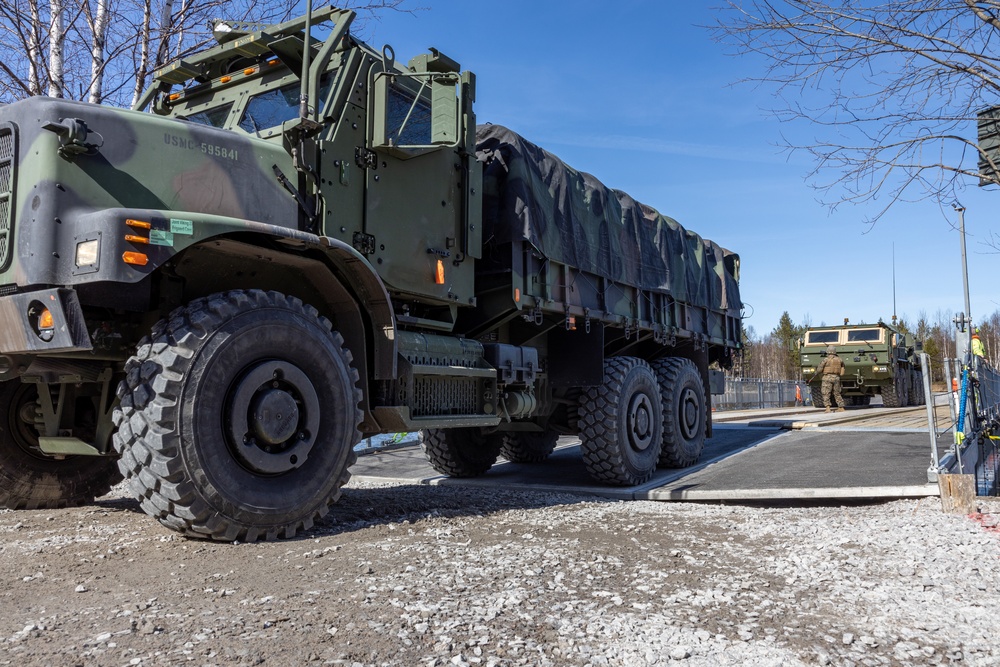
895,87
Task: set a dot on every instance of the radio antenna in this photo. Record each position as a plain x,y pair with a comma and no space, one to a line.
893,281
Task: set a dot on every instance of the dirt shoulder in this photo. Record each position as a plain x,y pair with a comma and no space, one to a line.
448,576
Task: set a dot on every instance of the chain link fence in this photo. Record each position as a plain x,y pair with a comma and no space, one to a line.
986,399
750,394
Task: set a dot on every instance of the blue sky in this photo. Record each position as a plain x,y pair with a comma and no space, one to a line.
637,93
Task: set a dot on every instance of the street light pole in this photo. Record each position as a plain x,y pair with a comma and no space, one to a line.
965,281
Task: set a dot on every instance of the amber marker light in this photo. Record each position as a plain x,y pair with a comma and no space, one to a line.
225,79
138,224
517,295
174,97
136,258
249,70
439,274
132,238
45,319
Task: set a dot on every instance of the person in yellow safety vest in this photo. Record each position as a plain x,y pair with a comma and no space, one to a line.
977,345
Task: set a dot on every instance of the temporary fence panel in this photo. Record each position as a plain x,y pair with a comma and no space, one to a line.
750,393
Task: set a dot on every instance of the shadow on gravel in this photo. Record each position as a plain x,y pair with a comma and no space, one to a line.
118,505
362,508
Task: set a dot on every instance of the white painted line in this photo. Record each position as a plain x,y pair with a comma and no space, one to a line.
918,491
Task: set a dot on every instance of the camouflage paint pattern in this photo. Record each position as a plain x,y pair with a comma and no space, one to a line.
571,217
595,251
189,181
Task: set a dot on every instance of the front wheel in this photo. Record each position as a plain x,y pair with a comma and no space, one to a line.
894,395
239,417
817,395
30,479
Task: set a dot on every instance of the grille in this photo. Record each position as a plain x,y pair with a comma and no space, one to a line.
444,396
8,153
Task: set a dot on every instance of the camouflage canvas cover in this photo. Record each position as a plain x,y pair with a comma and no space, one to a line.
571,217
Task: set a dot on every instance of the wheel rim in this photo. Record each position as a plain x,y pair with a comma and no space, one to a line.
689,413
640,422
273,418
21,420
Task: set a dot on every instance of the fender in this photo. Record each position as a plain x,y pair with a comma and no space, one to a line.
150,239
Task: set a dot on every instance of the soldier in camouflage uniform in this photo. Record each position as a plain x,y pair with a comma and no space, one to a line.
831,369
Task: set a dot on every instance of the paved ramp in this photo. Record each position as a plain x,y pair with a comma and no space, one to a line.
817,464
739,463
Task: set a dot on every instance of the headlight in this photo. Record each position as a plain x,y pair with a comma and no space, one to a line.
87,252
808,370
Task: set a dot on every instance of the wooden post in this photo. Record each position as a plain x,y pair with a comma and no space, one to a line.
958,493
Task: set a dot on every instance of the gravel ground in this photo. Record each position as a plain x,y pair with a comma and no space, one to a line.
406,575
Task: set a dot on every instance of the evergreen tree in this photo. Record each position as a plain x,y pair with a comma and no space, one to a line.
786,334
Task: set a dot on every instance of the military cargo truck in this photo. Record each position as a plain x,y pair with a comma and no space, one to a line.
292,243
880,360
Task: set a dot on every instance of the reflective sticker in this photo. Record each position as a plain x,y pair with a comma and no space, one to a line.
181,227
161,237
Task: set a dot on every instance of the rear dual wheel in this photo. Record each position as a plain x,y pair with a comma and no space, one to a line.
238,417
684,411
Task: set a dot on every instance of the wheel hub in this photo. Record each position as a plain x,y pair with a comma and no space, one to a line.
689,414
640,422
273,417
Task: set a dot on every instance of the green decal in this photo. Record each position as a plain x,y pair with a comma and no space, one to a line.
181,227
160,237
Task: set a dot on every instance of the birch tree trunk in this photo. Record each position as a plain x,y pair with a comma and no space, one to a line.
34,49
57,39
144,39
97,51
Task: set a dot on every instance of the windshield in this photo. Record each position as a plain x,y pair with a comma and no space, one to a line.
864,335
822,337
216,116
274,107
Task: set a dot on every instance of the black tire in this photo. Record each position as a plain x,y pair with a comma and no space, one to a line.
621,423
527,446
460,452
817,395
200,428
916,388
865,400
30,479
684,408
892,395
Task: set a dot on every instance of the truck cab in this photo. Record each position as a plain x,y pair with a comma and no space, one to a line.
880,359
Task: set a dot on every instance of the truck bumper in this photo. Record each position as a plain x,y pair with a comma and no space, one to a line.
42,322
